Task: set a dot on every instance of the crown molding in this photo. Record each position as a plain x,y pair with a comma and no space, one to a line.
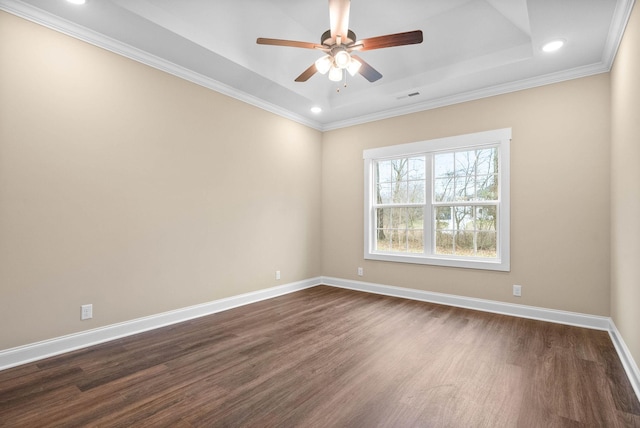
519,85
619,21
79,32
616,31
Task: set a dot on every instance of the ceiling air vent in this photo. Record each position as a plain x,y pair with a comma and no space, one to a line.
412,94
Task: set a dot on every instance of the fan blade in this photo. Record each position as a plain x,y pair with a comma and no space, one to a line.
390,40
291,43
307,73
339,18
369,73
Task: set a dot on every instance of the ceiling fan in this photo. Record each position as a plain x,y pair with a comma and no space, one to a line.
339,43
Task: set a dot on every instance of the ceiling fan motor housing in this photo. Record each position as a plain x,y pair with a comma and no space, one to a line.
351,38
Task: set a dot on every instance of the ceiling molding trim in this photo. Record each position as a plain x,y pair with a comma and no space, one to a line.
616,31
492,91
39,16
84,34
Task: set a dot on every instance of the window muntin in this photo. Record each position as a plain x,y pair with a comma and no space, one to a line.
466,230
440,202
468,175
462,177
399,204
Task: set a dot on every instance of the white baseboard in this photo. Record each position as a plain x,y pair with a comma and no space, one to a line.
522,311
48,348
629,364
59,345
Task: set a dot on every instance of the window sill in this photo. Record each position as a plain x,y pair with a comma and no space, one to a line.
459,262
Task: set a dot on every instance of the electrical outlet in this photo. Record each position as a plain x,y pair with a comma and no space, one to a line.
86,312
277,274
517,290
360,271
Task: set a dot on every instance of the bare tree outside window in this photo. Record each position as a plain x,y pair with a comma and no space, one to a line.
465,188
465,183
400,190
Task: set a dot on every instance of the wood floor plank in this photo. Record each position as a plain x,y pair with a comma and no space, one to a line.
332,357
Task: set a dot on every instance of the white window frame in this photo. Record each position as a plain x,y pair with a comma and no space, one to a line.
500,138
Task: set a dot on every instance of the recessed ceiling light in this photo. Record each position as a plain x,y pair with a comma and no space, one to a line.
77,1
316,110
553,45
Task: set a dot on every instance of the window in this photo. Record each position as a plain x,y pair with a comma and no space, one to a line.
442,202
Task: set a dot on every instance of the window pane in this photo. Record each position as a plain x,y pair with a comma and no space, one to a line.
416,168
415,218
416,192
400,181
389,218
400,229
486,218
399,240
382,218
474,176
443,189
399,169
443,218
464,190
465,162
443,165
486,242
383,171
400,192
444,242
487,161
466,231
463,218
383,239
383,193
416,240
398,218
464,245
487,187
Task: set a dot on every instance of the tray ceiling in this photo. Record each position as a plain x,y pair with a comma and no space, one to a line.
471,49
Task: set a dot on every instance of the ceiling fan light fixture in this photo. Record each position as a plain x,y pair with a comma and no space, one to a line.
354,66
324,64
342,59
335,74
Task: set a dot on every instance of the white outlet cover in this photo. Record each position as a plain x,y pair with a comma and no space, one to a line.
86,312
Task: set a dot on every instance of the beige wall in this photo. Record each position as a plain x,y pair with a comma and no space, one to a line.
136,191
625,185
559,196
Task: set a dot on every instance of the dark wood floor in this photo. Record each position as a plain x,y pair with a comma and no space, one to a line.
328,357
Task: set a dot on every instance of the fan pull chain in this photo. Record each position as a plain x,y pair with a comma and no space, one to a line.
344,73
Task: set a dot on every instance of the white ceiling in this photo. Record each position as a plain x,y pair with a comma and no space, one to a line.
471,48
